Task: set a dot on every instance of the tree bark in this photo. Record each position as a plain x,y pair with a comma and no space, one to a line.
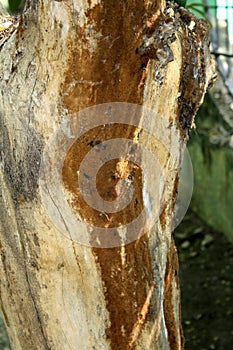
58,291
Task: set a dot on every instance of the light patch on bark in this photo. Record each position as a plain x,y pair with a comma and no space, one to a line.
92,38
123,232
82,6
146,197
60,14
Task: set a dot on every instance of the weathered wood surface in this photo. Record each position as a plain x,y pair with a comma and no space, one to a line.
55,292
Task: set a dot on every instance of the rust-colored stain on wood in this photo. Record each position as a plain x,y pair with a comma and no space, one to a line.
107,179
113,72
126,291
126,286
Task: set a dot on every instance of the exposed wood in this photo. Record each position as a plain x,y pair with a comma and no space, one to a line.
63,57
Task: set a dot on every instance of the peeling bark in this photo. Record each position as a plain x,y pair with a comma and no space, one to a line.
64,56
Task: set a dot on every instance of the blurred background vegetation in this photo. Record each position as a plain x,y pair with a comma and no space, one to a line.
13,5
204,238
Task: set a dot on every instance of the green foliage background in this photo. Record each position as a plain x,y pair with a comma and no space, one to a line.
12,5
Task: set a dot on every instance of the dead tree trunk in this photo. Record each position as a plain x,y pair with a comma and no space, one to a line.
97,282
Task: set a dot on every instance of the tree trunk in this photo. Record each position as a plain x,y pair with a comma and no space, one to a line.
76,275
